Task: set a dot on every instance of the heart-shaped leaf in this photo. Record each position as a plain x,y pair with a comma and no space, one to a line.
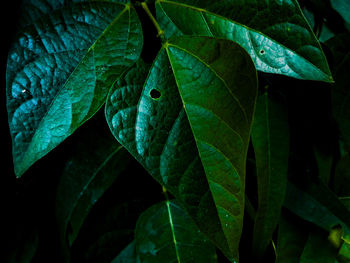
166,233
270,138
189,125
60,68
274,33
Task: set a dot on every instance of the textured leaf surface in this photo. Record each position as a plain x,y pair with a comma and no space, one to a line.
274,33
166,233
60,68
196,130
270,138
95,165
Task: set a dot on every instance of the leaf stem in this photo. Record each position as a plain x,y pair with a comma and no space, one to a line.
154,21
167,202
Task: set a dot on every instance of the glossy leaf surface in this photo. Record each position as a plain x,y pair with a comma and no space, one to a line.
275,34
270,138
60,68
195,84
166,233
97,162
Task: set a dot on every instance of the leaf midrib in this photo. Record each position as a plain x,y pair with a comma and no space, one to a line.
200,158
215,73
99,168
244,26
21,170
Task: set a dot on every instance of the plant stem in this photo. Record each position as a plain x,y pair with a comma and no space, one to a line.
154,21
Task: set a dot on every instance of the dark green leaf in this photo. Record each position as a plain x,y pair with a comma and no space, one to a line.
60,68
320,208
342,177
128,255
195,84
339,47
341,99
166,233
324,164
25,246
343,8
318,249
275,34
270,138
95,165
291,239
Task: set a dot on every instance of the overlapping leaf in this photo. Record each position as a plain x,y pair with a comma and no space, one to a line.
189,125
318,249
166,233
99,160
291,239
60,68
128,255
274,33
320,207
270,138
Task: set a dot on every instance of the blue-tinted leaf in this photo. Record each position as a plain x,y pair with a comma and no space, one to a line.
60,68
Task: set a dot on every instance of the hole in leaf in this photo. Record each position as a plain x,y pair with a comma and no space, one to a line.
262,52
155,94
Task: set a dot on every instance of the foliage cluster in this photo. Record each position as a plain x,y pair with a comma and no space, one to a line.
239,110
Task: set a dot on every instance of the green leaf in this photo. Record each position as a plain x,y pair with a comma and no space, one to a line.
91,170
342,177
324,164
319,207
195,84
343,8
166,233
128,255
274,33
25,245
60,69
270,138
318,249
291,239
341,99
